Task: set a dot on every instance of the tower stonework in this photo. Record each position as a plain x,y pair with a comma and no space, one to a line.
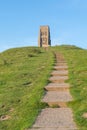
44,37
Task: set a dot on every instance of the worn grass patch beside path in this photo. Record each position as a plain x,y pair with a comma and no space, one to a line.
23,74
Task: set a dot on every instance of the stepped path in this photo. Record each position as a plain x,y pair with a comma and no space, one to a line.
58,116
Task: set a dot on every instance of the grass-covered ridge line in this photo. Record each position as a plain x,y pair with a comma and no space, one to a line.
23,74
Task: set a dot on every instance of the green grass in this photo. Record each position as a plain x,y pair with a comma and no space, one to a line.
78,79
23,74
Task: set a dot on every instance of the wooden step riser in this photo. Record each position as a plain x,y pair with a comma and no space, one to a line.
48,128
57,89
60,61
57,104
56,74
61,69
61,64
58,81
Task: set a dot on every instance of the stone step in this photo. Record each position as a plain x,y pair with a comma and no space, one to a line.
61,64
60,73
57,86
56,128
55,119
57,98
58,79
61,67
61,61
60,57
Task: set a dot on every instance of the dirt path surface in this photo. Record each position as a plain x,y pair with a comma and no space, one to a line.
58,116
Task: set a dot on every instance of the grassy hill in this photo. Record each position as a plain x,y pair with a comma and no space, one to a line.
23,74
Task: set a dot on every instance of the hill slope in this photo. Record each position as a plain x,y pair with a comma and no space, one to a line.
23,74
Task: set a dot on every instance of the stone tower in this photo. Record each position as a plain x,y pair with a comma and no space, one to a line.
44,37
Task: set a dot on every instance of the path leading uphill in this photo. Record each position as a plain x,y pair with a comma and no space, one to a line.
58,116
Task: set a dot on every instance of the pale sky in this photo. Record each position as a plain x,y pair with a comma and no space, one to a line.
20,21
